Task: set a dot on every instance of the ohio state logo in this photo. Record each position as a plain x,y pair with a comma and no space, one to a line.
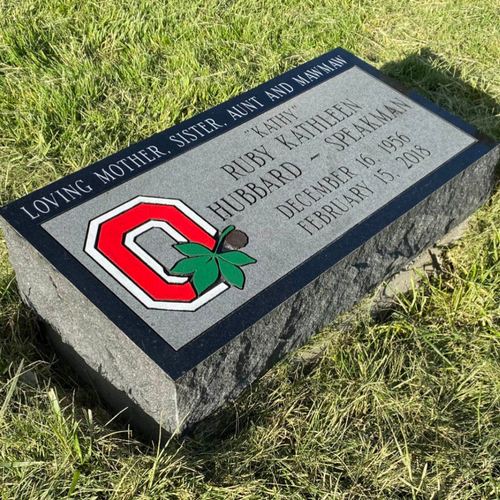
211,261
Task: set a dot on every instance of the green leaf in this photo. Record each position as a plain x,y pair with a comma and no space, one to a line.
72,488
189,265
238,258
232,273
205,276
192,249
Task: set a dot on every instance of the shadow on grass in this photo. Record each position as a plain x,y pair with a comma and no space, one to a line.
434,78
424,72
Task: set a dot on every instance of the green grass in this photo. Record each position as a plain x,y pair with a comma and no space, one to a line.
402,407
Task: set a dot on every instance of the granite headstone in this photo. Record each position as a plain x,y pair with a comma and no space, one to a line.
178,270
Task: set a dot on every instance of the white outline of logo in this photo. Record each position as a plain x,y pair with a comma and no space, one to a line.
91,250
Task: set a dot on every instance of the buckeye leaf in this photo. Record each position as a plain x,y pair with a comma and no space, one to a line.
205,275
189,265
232,273
238,258
192,249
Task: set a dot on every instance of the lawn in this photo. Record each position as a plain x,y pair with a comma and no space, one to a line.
405,405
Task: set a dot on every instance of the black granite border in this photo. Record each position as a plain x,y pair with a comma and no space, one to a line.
176,363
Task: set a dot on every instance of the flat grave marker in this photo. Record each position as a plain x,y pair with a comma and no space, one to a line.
178,270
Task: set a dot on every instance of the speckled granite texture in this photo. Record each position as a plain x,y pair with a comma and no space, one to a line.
126,377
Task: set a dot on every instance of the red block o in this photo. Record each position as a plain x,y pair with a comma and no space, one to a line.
111,243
